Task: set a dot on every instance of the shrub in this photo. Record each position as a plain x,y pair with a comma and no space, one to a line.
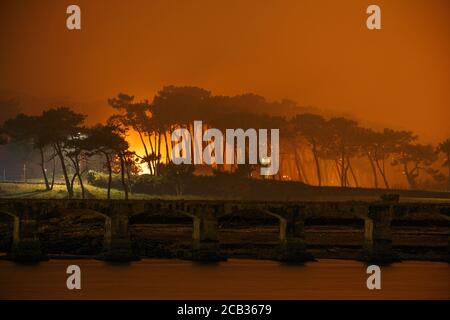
100,179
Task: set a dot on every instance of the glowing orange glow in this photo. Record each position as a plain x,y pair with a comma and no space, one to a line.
136,146
318,53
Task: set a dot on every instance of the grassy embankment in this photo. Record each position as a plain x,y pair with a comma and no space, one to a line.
36,190
268,191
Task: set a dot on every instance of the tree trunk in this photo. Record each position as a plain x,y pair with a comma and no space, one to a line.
72,181
76,165
346,167
374,171
298,166
167,148
128,168
316,161
383,174
409,176
53,174
343,169
158,159
302,167
44,173
153,149
145,151
353,174
80,180
108,165
64,170
122,174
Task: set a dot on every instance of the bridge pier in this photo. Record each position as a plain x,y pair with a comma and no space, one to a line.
117,241
377,234
205,241
292,237
26,245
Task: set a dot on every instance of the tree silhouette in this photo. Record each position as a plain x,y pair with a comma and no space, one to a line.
387,144
30,129
341,145
76,150
59,125
136,116
367,140
108,141
336,144
314,129
178,107
127,166
415,158
178,175
444,147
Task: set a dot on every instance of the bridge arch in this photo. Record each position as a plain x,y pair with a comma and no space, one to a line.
8,213
179,211
92,220
16,224
153,223
254,224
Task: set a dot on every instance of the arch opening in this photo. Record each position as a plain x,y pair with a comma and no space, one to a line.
73,231
162,232
251,233
8,230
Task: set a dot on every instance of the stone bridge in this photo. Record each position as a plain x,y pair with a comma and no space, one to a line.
377,218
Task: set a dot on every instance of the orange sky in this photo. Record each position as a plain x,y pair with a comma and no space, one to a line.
316,52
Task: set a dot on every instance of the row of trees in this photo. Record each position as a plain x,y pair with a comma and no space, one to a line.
341,140
61,137
336,140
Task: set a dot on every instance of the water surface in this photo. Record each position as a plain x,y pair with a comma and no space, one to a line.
234,279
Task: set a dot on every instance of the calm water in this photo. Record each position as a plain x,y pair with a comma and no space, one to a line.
234,279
